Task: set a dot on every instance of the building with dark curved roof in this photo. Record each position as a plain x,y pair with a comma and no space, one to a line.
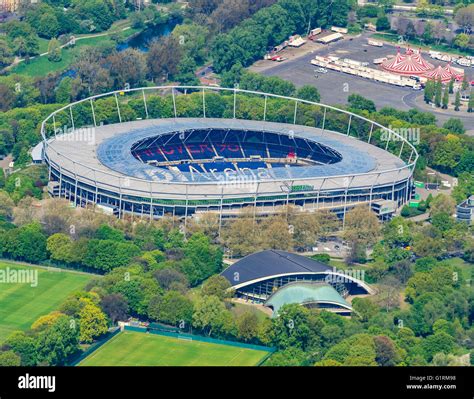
262,276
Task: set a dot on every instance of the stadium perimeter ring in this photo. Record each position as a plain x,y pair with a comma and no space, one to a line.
183,166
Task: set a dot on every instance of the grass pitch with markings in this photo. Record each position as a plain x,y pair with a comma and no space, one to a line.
139,349
21,304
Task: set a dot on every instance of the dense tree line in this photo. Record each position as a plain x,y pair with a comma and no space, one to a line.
154,271
252,38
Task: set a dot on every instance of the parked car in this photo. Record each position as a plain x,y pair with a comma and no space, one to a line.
321,70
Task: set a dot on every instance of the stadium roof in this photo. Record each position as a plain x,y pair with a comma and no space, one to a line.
78,155
114,152
37,152
306,293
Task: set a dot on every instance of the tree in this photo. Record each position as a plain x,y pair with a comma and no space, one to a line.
9,359
451,86
211,316
6,53
64,90
92,321
448,152
277,233
127,67
163,58
445,100
23,345
358,102
6,205
429,91
389,293
241,236
438,92
289,357
186,72
57,343
59,247
309,93
107,254
464,17
470,104
385,351
106,232
172,308
361,226
115,307
217,285
54,51
292,328
169,278
442,203
92,77
193,39
382,23
439,342
357,350
247,326
457,101
44,322
26,243
365,308
203,259
461,41
454,125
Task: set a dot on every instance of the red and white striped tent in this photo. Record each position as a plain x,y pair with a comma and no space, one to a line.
438,73
456,73
445,74
410,63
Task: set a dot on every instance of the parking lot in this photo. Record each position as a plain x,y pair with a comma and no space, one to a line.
335,87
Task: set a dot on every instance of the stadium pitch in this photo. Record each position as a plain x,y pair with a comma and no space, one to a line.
21,304
139,349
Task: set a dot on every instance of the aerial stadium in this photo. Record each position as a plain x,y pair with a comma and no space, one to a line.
174,162
275,278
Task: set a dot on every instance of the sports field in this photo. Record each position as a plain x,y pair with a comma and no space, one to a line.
140,349
21,304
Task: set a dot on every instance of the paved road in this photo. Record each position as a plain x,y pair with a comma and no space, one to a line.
413,99
335,87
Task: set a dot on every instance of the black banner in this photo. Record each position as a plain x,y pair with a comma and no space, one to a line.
63,382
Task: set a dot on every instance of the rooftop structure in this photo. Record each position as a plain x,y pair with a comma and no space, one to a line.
260,276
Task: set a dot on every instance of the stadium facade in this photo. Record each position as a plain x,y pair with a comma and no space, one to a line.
184,166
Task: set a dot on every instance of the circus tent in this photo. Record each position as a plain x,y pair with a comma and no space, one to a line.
410,63
457,73
445,74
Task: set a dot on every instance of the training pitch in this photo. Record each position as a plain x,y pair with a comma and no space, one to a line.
140,349
21,304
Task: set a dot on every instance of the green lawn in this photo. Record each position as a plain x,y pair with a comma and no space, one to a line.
466,268
41,66
140,349
22,304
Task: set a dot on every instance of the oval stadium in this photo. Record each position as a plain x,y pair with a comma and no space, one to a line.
184,165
